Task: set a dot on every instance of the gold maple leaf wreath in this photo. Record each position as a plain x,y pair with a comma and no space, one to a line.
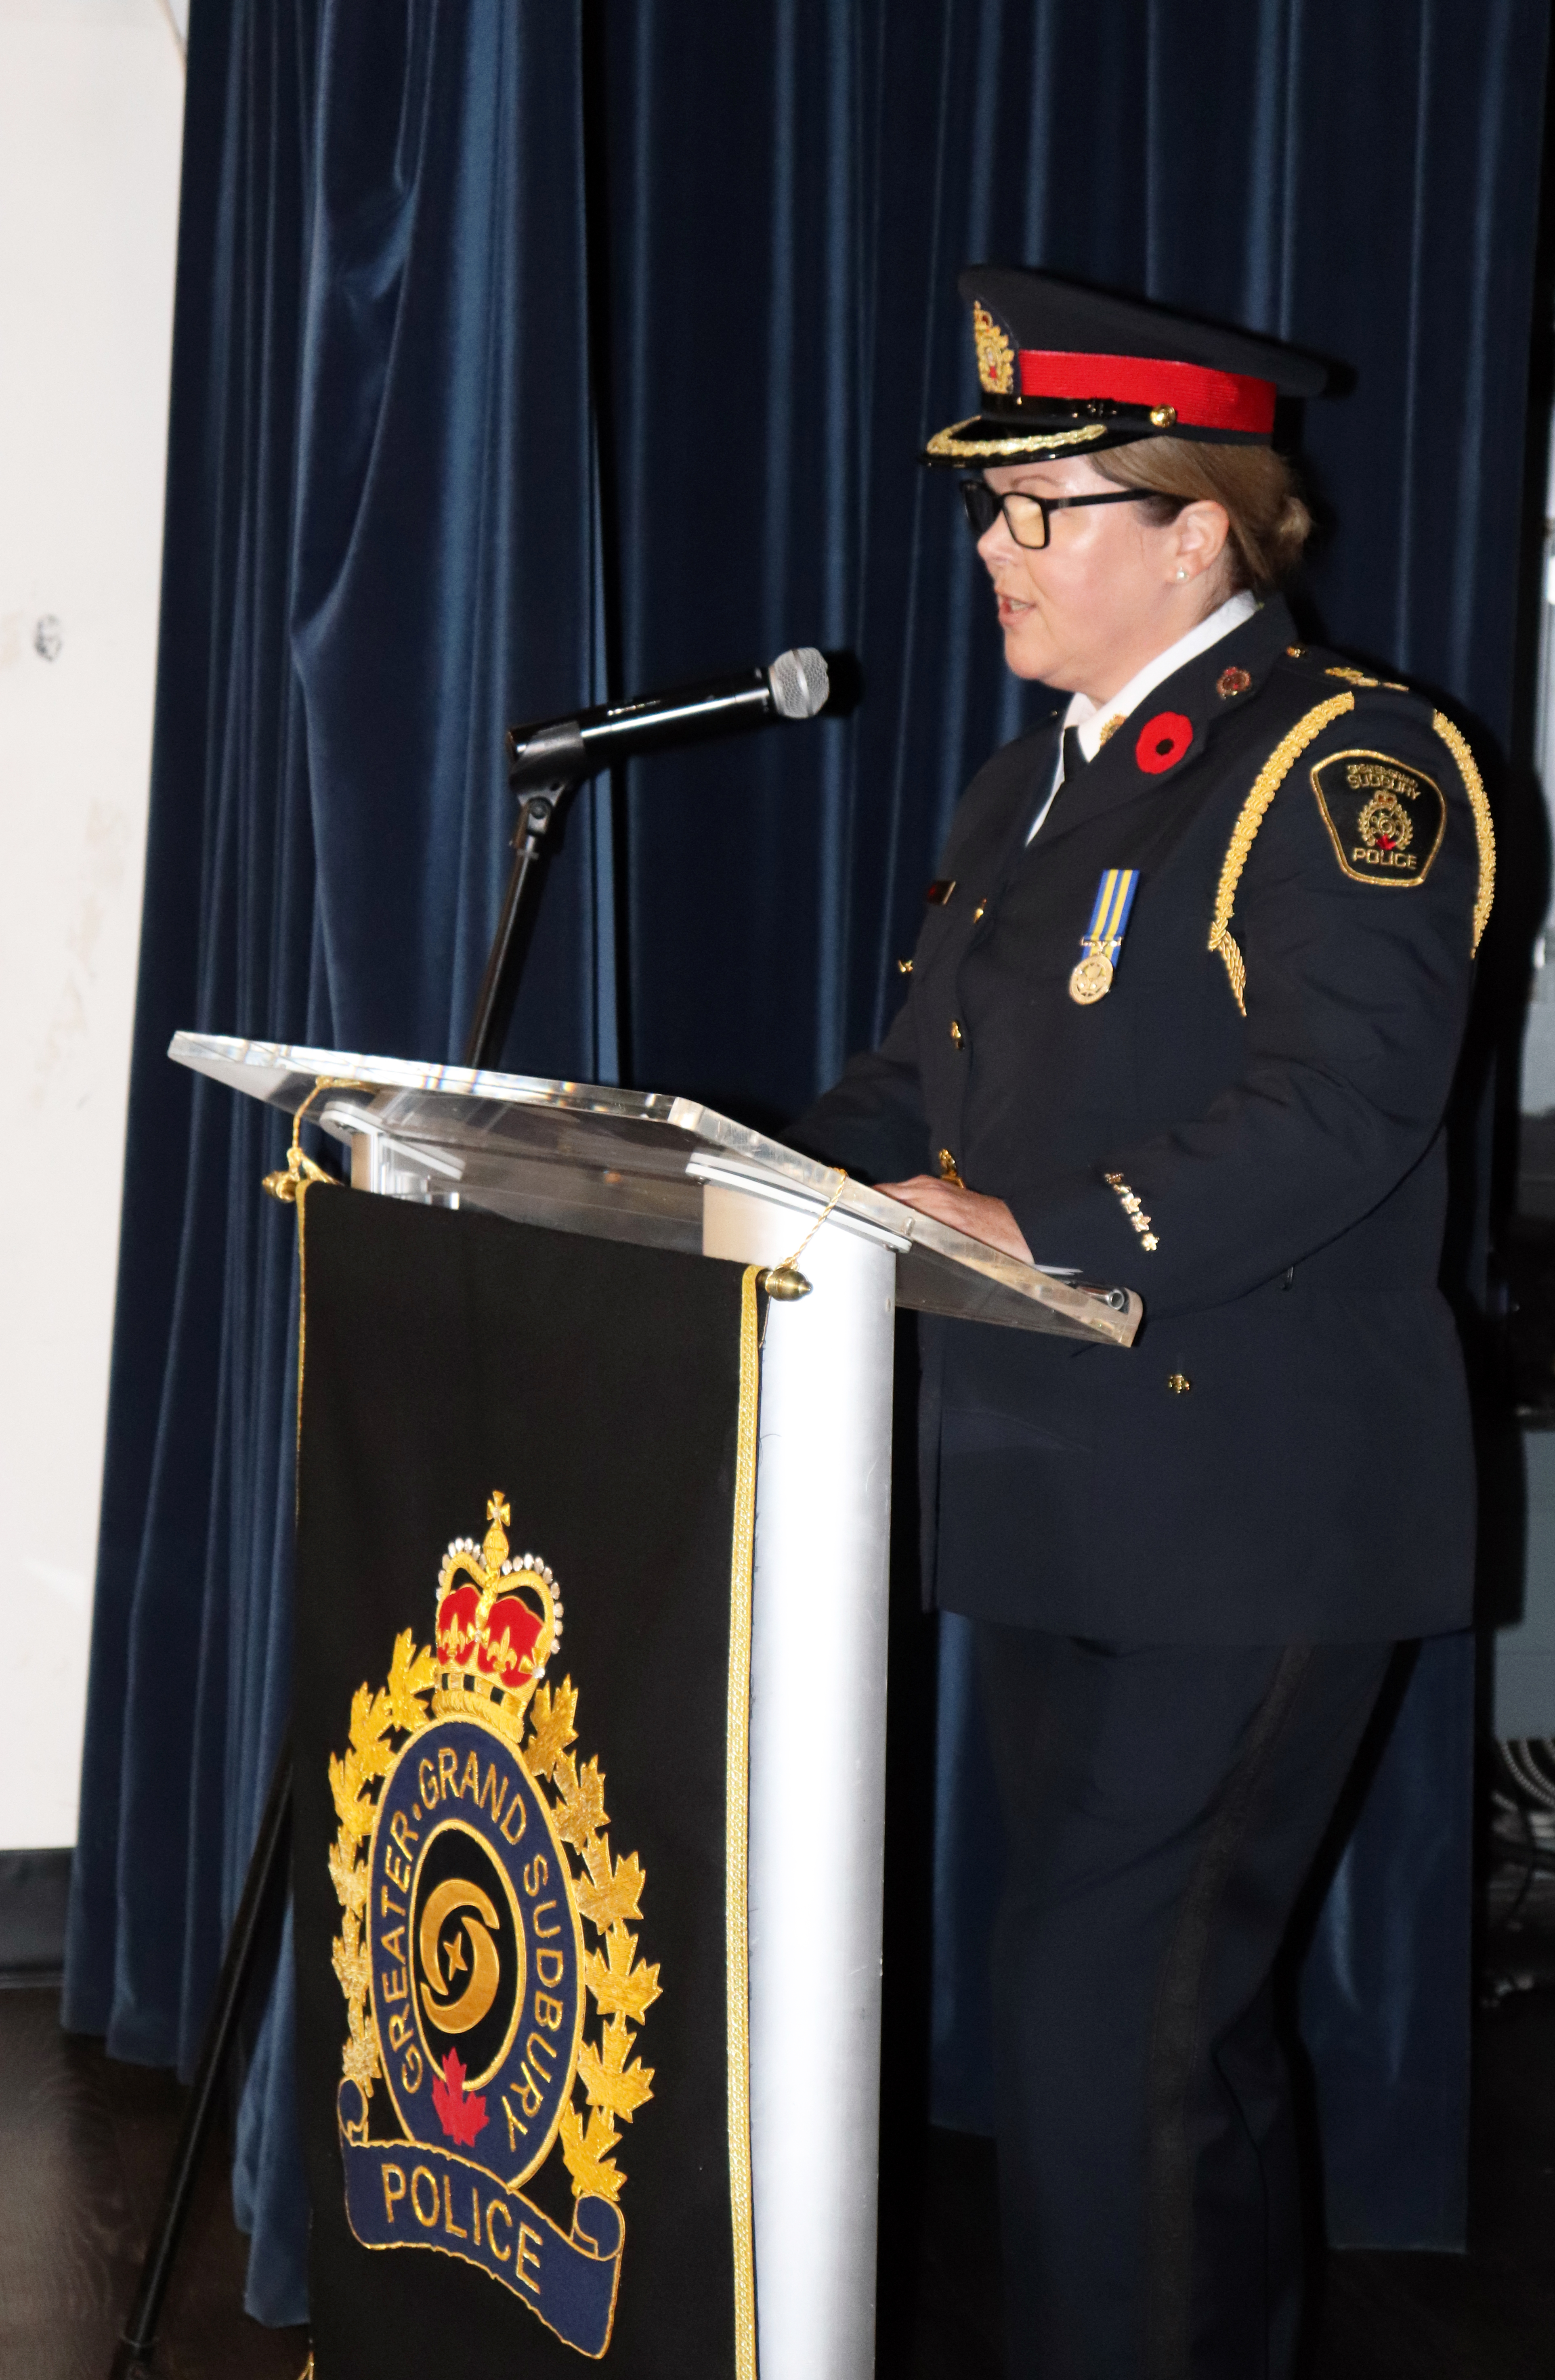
608,1894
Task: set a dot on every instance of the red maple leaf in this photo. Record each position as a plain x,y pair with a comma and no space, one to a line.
461,2118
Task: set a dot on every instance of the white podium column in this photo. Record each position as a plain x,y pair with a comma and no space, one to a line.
817,1785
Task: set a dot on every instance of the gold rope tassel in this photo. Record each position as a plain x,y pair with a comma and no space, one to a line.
291,1183
738,1824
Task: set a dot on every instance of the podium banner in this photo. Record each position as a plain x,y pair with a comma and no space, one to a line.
525,1506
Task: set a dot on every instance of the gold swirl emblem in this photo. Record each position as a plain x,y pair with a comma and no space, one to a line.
457,1895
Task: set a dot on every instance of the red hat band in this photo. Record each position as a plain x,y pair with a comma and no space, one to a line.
1196,396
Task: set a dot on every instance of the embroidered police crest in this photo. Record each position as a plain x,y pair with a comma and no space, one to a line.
1385,819
472,1853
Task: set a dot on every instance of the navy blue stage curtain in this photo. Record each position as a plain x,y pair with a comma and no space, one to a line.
793,186
382,542
424,247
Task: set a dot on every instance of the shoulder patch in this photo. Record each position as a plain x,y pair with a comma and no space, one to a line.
1385,818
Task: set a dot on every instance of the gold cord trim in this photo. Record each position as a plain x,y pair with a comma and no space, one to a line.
786,1280
291,1183
737,1839
950,442
1266,784
1485,832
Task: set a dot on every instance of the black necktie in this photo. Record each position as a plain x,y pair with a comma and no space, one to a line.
1073,754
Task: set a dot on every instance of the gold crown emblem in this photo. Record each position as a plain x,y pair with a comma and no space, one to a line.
996,356
498,1623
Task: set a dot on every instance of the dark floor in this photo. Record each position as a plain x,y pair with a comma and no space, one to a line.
84,2143
84,2149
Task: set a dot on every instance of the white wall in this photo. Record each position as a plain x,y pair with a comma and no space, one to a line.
92,100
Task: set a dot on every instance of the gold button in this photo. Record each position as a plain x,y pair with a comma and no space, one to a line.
903,966
956,1034
1179,1383
1163,416
979,911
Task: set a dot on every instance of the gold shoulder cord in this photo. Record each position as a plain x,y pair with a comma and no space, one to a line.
1266,784
291,1183
737,1825
1484,833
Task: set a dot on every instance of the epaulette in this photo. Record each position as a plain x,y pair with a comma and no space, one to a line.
1282,759
1321,661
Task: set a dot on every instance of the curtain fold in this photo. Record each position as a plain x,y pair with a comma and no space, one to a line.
446,273
380,330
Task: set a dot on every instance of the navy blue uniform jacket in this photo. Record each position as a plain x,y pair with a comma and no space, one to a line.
1247,1129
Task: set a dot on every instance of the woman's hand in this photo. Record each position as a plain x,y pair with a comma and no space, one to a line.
988,1219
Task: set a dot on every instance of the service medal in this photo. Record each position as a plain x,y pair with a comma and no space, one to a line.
1092,980
1102,939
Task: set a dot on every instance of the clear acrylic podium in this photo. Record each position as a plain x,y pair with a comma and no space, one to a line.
668,1173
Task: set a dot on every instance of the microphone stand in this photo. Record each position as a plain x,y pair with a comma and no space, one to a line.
546,763
553,764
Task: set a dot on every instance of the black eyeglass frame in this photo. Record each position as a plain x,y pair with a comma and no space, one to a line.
983,508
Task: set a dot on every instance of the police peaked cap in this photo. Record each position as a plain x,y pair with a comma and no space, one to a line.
1069,370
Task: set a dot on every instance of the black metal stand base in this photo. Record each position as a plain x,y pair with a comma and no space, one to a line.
266,1869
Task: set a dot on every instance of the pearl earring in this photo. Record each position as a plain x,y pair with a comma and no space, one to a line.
1181,573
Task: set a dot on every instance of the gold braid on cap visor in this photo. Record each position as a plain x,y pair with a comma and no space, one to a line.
951,443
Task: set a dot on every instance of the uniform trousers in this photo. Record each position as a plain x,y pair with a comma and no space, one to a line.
1163,1806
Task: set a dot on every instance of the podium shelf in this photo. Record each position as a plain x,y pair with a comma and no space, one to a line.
641,1166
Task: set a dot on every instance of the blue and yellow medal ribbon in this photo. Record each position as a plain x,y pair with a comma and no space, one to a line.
1102,939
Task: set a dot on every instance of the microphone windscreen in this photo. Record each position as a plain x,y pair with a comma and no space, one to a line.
800,683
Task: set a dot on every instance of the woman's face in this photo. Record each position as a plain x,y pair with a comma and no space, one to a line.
1109,590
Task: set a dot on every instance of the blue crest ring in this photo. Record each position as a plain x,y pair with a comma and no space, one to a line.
475,1949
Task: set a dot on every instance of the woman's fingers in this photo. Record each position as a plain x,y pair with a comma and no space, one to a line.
981,1218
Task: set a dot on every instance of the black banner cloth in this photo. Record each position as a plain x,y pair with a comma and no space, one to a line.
525,1510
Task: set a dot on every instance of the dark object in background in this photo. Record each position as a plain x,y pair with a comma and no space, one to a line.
1519,1947
1524,1302
35,1895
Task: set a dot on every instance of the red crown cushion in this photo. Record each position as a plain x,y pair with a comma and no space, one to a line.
455,1626
511,1631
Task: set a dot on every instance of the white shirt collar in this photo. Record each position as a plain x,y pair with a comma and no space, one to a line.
1090,720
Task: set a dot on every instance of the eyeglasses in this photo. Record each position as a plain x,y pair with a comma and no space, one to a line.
1027,517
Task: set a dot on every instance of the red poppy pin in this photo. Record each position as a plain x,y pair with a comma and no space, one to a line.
1162,742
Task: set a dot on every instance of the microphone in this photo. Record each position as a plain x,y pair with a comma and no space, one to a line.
560,751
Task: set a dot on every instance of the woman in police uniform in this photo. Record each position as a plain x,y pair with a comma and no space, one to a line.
1184,1014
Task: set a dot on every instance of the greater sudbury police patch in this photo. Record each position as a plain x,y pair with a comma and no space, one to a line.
1386,819
473,1852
